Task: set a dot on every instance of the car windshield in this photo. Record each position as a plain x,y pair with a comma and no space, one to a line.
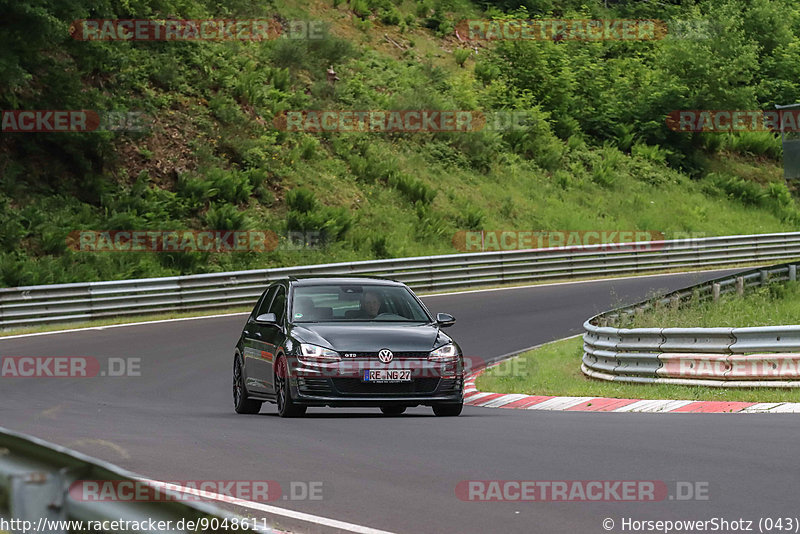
355,303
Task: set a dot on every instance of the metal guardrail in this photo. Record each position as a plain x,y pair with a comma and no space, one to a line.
733,357
35,482
23,306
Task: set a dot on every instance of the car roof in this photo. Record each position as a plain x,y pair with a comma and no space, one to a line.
336,280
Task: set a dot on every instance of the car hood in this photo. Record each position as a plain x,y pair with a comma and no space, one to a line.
371,337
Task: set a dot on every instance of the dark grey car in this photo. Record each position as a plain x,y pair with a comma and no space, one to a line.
346,342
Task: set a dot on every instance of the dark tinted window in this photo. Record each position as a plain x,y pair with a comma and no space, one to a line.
263,305
355,303
279,304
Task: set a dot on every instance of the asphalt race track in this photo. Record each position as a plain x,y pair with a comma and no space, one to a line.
176,422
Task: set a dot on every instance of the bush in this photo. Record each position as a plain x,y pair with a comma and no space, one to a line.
301,200
652,153
472,218
413,189
744,191
390,16
360,8
307,215
218,184
225,217
779,194
380,247
461,55
755,144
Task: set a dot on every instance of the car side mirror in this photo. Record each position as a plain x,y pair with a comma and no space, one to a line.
267,318
445,319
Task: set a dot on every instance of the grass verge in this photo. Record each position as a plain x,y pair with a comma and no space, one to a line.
774,304
554,369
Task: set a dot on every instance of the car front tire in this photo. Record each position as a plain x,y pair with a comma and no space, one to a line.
286,405
448,410
241,403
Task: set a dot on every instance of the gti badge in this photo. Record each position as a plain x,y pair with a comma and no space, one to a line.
385,355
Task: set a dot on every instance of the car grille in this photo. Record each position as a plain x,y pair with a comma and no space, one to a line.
396,355
450,386
354,386
314,386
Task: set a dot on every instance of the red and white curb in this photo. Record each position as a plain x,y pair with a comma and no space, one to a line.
518,401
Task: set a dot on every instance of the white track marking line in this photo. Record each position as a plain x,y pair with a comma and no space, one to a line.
302,516
787,407
650,405
559,403
762,407
502,401
472,398
593,280
122,324
589,281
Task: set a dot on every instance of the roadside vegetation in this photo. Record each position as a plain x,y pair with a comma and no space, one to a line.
554,369
596,153
773,304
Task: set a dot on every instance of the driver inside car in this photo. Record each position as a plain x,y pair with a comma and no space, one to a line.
371,304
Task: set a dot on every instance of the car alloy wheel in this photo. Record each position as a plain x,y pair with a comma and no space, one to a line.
240,401
286,405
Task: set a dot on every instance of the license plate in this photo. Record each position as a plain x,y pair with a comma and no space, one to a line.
387,375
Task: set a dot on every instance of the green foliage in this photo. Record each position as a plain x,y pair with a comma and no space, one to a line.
307,215
739,189
218,184
414,189
380,247
225,217
652,153
472,219
460,55
301,200
754,144
591,148
390,16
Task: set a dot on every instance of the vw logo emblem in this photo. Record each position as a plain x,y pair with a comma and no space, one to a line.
385,355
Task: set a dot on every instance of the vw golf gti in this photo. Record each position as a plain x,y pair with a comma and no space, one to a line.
346,342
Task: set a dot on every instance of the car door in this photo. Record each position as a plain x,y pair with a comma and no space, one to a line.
272,336
255,351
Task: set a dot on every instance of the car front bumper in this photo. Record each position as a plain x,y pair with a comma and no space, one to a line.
341,384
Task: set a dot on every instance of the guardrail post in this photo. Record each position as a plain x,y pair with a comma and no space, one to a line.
740,285
764,277
675,301
36,495
715,292
793,273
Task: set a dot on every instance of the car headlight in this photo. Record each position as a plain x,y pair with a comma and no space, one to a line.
316,354
445,352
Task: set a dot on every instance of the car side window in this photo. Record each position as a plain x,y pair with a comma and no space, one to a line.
263,306
278,306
